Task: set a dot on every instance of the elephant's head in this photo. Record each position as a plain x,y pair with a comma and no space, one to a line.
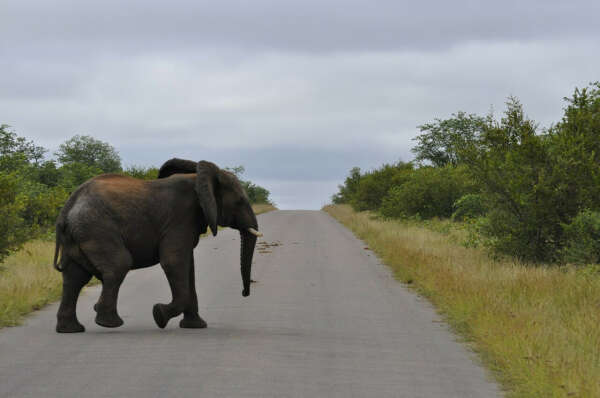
224,203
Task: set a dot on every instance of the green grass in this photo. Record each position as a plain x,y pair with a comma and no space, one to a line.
29,282
537,328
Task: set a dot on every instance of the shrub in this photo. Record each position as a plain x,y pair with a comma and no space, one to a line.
512,163
13,229
348,190
582,238
468,206
429,192
256,193
143,173
74,174
374,185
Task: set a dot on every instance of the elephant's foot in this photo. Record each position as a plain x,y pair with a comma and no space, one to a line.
108,319
160,316
69,326
192,322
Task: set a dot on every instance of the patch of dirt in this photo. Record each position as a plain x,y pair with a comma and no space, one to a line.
264,246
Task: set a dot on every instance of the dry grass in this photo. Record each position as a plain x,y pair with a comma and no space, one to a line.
263,208
28,281
537,328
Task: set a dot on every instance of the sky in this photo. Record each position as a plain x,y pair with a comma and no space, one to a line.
298,92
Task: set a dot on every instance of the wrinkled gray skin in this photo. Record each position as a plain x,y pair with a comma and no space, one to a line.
112,224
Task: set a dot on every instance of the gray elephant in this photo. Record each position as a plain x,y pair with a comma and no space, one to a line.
112,224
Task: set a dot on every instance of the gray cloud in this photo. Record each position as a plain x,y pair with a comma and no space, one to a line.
298,92
307,26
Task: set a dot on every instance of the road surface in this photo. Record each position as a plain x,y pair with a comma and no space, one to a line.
325,319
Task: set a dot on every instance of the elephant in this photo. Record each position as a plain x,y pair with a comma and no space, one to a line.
113,223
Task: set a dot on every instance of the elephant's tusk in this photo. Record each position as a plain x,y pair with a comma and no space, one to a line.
254,232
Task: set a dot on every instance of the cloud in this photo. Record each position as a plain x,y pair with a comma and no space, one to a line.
297,92
291,26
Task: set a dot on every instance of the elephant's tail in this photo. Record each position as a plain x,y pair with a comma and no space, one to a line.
57,248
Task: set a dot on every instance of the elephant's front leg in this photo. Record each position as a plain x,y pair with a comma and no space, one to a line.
191,319
177,270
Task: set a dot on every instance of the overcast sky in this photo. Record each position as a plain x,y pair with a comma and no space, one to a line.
298,92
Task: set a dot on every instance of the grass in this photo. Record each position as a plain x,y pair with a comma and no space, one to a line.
263,208
537,328
29,282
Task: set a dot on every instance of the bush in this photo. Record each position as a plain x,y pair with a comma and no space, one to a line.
429,192
374,185
13,229
74,174
256,193
42,205
143,173
513,165
582,238
348,190
468,206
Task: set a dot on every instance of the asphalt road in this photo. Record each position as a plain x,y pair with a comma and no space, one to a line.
325,319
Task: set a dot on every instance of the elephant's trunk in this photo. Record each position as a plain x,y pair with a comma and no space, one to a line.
247,242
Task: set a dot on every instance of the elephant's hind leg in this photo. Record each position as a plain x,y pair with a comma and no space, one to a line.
176,268
191,319
74,279
112,261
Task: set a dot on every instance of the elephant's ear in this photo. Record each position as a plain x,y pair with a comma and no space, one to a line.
176,166
206,181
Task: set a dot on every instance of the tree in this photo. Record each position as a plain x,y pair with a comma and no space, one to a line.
374,185
73,174
428,192
441,141
575,146
84,149
13,230
256,193
347,191
17,152
513,166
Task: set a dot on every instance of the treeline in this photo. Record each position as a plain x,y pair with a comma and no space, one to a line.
527,192
33,187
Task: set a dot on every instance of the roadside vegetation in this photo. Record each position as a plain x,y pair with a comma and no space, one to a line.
527,192
260,208
33,189
497,222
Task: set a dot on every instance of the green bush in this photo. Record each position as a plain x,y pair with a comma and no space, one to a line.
256,193
513,165
373,186
348,190
143,173
43,205
468,206
74,174
13,229
429,192
582,238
